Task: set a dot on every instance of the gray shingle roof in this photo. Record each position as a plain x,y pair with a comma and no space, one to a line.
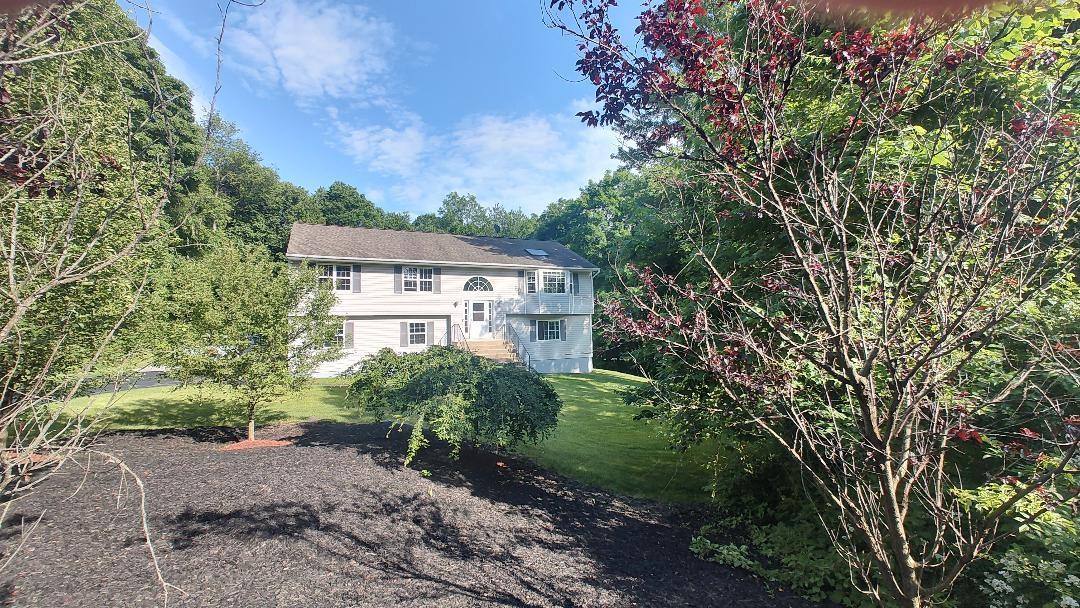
342,242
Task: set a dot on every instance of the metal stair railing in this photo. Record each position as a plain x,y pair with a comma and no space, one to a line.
511,336
457,332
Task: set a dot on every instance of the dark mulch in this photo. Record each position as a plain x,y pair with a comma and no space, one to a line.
335,520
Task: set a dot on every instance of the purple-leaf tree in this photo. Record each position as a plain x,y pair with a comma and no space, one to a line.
913,344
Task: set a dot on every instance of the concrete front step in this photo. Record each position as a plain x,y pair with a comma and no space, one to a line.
496,350
483,347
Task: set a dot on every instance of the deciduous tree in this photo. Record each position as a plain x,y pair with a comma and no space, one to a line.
244,323
908,340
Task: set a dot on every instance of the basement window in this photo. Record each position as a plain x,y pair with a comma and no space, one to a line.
417,333
547,330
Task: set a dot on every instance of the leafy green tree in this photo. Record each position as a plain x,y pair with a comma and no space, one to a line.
619,222
244,323
427,222
614,221
259,210
343,205
463,214
96,138
396,220
511,223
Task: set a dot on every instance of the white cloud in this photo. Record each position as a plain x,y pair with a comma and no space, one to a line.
204,44
388,149
527,161
313,49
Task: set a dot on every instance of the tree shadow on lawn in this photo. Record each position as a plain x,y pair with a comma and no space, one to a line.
202,418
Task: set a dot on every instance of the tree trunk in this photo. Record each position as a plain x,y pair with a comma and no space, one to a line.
251,427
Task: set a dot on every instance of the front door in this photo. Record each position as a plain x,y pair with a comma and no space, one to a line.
480,320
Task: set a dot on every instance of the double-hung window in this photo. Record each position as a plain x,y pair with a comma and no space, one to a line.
547,330
338,278
530,281
555,282
326,275
415,278
417,333
338,339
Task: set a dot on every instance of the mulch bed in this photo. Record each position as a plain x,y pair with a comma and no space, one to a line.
335,520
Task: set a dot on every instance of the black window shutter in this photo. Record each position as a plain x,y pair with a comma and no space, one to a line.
577,283
356,278
562,329
521,281
532,330
397,279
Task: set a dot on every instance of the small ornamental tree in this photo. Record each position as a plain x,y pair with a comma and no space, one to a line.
911,340
460,397
248,325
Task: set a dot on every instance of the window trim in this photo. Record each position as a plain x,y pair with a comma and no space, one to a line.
553,273
419,280
338,339
531,281
480,281
543,335
422,333
337,276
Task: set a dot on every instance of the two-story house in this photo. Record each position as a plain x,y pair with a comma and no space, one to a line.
510,299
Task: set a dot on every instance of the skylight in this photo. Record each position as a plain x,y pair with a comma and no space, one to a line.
536,252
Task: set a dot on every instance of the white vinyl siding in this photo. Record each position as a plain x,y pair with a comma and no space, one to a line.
578,342
373,334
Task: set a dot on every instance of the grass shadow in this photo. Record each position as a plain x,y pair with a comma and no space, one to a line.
192,412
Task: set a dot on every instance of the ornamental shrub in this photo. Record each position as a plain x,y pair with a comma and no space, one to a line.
457,396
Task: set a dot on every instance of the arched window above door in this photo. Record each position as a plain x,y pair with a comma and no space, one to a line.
478,284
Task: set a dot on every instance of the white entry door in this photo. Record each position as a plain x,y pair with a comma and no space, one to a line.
480,320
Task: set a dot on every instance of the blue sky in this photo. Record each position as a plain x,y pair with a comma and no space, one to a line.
406,100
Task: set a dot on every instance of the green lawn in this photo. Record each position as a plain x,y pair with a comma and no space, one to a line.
597,440
171,407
